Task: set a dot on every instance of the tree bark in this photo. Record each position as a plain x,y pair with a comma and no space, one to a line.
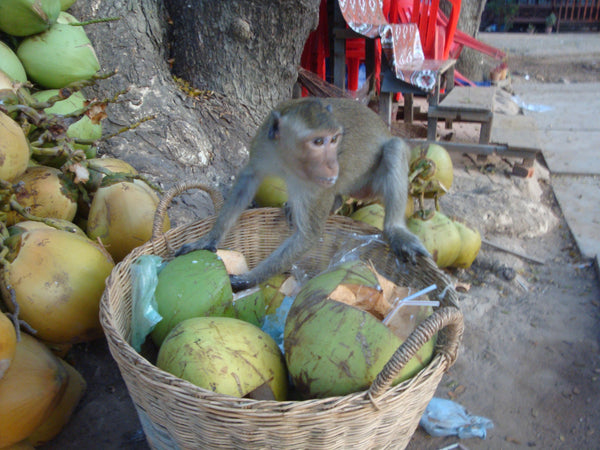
203,137
248,50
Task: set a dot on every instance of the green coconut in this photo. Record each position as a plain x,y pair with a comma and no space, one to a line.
332,348
66,4
10,63
250,306
14,149
84,128
470,244
438,234
272,192
26,17
61,55
271,289
191,285
225,355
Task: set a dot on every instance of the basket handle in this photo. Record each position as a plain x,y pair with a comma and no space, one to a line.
174,191
449,317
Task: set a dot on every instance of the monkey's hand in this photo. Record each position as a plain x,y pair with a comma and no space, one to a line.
406,245
239,283
200,244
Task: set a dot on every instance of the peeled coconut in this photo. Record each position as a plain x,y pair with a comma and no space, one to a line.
122,215
47,193
192,285
435,171
26,17
61,55
84,128
8,343
14,149
225,355
29,391
272,192
58,278
470,244
438,234
333,348
10,63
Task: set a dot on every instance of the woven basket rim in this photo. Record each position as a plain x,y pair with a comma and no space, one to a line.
441,358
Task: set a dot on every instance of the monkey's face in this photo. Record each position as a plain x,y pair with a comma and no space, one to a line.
307,136
317,157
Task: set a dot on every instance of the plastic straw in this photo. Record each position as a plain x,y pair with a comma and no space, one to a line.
411,299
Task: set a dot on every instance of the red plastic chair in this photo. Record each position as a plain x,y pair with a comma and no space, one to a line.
316,51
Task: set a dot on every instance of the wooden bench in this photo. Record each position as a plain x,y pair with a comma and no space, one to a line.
464,104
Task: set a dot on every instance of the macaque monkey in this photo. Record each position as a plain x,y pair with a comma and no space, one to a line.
323,148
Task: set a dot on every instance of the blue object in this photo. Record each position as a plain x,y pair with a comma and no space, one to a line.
274,324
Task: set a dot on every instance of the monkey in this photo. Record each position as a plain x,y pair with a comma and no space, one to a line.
323,149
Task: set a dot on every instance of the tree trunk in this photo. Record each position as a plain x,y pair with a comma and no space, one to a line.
248,50
203,137
472,63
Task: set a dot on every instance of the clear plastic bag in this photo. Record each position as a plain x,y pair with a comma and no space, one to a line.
444,417
144,313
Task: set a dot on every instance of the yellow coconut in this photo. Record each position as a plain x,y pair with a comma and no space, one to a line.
470,244
225,355
29,391
58,278
14,149
121,216
434,169
272,191
62,412
57,224
47,193
8,343
372,214
114,165
438,234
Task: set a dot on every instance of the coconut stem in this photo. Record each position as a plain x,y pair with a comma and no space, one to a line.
90,22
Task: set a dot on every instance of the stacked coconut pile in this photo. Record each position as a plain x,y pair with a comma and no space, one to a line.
66,216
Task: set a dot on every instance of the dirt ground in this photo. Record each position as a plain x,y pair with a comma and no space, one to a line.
530,358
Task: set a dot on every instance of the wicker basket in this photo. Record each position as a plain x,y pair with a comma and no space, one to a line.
176,414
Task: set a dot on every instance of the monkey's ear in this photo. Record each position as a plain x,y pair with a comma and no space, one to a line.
274,130
329,108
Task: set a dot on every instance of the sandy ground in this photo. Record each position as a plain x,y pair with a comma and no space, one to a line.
530,357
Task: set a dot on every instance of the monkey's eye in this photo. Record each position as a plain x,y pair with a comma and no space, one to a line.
335,138
319,141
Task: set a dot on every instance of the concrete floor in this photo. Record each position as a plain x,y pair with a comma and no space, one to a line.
569,129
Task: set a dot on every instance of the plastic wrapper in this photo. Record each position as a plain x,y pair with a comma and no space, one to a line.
447,418
274,324
144,313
